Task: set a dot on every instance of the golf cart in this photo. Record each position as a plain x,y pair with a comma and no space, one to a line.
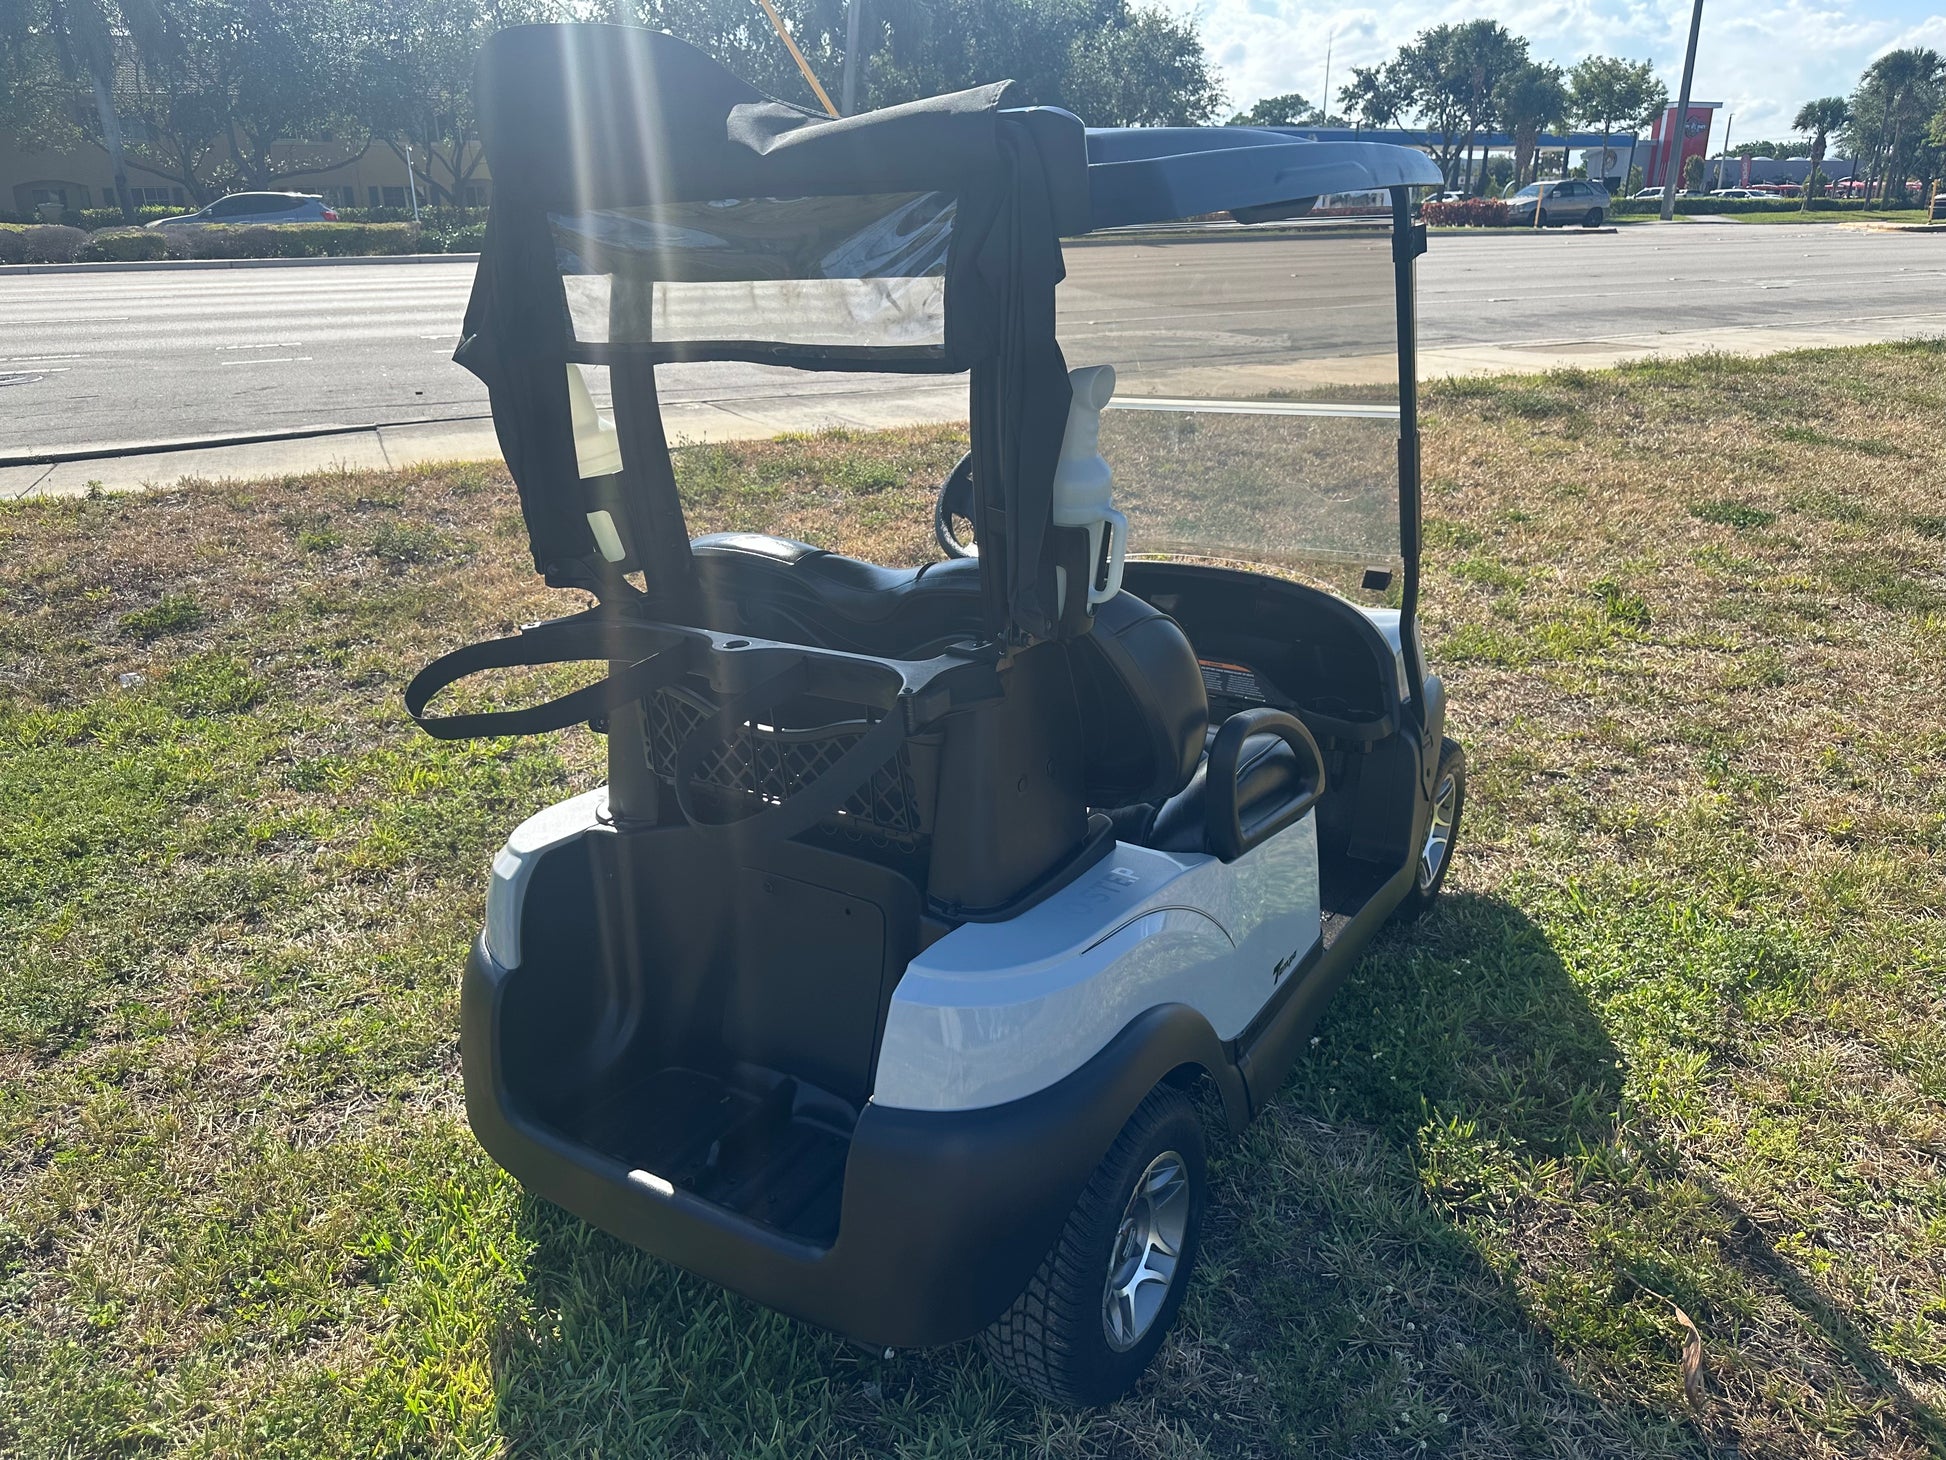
876,982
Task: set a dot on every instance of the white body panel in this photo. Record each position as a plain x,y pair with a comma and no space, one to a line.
995,1011
514,863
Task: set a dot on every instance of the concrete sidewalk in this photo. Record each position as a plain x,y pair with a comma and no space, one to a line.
918,401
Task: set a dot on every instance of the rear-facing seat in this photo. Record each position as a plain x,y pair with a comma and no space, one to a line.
1144,714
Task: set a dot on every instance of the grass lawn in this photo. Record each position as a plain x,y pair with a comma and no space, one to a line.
1676,1040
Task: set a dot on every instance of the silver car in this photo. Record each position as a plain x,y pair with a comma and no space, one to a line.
1560,203
255,208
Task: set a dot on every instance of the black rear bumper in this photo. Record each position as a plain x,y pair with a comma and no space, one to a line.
945,1215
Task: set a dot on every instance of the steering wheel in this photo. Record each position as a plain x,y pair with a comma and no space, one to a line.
955,501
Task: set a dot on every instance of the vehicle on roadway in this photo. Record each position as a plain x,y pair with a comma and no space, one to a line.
1561,203
255,208
876,981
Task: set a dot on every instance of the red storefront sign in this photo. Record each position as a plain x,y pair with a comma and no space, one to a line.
1695,134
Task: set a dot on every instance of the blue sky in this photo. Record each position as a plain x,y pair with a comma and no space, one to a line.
1761,58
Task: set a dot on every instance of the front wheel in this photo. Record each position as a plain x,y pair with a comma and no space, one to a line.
1442,830
1093,1316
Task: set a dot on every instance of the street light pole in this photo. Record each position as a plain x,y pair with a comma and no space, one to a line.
1673,171
411,183
850,79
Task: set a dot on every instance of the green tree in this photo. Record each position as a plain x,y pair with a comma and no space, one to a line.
1819,120
1288,110
85,41
1376,95
1110,62
1146,69
1609,92
1692,174
1451,76
1533,98
1895,100
418,81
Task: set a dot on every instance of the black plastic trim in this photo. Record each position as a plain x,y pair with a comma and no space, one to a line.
946,1214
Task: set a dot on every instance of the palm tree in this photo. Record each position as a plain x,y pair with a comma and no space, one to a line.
1532,99
1900,75
1821,118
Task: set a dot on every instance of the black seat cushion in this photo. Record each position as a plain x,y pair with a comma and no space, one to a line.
1140,689
1268,777
773,588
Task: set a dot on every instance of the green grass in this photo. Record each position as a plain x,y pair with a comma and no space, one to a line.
1677,1037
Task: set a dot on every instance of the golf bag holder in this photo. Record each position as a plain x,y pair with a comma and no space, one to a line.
748,739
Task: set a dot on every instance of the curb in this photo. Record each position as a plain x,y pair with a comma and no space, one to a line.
212,443
164,265
1521,232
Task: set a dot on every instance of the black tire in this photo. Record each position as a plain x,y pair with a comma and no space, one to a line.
1592,218
1425,891
1055,1341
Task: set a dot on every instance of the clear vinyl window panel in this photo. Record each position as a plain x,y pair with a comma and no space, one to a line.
1256,410
853,272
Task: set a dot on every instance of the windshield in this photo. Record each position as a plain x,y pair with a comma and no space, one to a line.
1256,412
1532,190
855,273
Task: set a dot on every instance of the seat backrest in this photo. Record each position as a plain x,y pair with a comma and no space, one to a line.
1139,689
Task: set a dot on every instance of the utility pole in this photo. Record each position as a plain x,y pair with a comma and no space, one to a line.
1672,174
1723,157
850,80
411,182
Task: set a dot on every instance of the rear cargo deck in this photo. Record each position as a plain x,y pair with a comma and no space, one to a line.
762,1145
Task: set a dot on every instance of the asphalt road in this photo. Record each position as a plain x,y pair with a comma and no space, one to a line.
112,358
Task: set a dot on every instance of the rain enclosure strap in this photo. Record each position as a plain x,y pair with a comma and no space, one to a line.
657,661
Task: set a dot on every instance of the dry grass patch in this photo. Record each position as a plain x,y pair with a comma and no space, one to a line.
1678,1037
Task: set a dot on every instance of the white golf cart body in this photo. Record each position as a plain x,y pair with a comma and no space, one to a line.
909,885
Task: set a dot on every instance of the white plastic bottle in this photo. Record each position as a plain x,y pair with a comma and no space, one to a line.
1084,483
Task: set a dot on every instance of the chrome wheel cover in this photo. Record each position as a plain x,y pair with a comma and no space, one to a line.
1439,835
1142,1264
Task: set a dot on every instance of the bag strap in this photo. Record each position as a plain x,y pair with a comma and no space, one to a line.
559,641
800,809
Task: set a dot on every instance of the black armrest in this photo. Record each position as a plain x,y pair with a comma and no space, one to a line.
1224,833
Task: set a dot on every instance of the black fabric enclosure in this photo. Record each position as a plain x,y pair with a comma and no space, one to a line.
582,118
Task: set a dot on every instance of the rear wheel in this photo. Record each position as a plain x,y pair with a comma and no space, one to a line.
1093,1316
1592,218
1442,830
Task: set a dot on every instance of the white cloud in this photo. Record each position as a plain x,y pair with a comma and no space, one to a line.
1761,58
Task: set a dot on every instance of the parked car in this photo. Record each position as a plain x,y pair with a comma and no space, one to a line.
1561,203
1649,195
1938,213
255,208
1737,193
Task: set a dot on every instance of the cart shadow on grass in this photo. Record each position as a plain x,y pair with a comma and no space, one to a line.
1355,1298
1341,1310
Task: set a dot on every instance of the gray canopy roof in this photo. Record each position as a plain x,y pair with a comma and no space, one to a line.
1156,174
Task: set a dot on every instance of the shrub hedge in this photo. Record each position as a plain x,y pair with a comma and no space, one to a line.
54,243
1635,206
38,243
293,240
95,218
1467,213
123,245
